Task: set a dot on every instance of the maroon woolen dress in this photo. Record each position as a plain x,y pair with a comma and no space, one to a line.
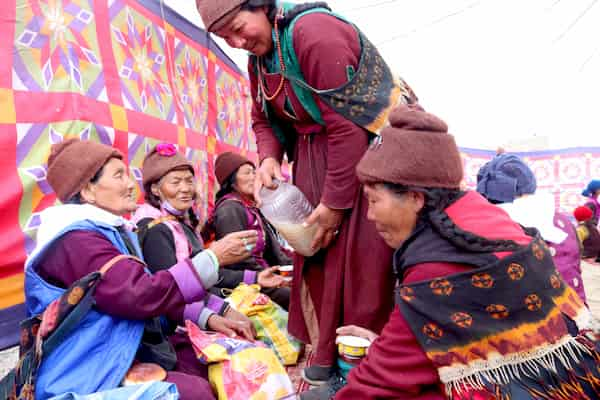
350,282
396,366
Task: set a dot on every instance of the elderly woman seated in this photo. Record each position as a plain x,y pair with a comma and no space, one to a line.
236,210
167,224
481,312
88,233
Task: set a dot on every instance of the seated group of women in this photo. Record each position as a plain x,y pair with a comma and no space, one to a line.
140,304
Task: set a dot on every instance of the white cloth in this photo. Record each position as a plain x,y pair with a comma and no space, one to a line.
57,218
537,211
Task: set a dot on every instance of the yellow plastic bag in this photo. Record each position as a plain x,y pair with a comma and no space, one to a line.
239,369
269,319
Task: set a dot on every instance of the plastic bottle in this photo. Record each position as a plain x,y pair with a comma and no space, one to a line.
287,208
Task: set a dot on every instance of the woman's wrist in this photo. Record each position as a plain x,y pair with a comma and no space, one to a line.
213,257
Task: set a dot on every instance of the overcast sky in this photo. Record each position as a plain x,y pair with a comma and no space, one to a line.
496,71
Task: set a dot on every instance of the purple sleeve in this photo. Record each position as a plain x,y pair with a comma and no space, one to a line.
250,277
198,313
215,303
126,290
187,281
326,48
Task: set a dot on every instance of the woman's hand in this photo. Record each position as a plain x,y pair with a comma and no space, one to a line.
353,330
329,221
229,327
234,247
247,325
269,169
269,279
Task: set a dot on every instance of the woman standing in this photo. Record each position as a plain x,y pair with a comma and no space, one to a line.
320,91
235,210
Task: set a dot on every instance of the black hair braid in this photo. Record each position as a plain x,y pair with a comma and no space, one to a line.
193,218
227,186
150,197
437,200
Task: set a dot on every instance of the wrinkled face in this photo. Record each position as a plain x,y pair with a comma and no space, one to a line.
248,30
244,180
114,191
178,188
395,215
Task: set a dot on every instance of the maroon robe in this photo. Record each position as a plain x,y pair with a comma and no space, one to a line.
350,282
396,366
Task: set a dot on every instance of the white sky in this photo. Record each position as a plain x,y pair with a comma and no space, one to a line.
496,71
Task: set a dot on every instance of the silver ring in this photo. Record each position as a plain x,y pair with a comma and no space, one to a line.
248,247
336,232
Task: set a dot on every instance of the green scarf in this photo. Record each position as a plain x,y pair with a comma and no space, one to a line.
366,99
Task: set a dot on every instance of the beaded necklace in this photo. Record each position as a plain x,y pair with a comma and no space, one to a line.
261,69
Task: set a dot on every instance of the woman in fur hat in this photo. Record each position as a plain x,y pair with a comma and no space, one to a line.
321,91
167,225
84,234
235,210
481,312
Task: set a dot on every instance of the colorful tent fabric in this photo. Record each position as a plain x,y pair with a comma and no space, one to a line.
128,73
564,173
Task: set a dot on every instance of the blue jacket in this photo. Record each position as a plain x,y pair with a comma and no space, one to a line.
96,355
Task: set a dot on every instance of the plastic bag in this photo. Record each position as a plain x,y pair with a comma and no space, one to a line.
239,369
269,319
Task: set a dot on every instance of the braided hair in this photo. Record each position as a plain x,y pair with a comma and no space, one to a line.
436,201
227,186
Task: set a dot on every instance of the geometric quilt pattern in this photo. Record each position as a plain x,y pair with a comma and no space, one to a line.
128,73
563,173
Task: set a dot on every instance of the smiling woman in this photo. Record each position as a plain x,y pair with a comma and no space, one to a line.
167,232
110,189
235,210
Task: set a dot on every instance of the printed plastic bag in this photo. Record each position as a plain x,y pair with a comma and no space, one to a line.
239,369
269,319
